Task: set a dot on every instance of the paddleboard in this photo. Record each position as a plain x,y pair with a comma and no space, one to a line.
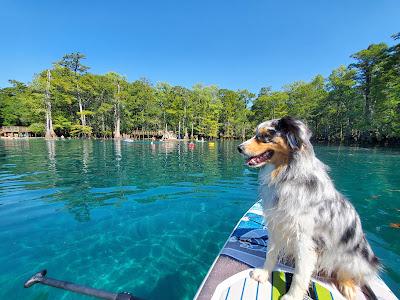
229,275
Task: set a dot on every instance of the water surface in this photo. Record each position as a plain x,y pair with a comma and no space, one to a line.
150,219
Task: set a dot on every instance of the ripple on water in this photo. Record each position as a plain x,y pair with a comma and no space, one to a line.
151,218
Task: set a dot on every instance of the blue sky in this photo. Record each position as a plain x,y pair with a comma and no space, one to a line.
234,44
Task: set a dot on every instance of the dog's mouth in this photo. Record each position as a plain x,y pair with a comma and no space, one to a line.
257,161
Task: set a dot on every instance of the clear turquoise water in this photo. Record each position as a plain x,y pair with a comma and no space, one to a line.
150,219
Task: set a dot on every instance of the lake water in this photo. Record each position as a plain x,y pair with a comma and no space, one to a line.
150,219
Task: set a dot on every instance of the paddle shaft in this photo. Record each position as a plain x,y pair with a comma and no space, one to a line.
69,286
77,288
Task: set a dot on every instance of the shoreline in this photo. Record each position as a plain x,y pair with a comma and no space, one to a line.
378,144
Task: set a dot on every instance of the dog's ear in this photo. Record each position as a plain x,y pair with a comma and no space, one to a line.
295,131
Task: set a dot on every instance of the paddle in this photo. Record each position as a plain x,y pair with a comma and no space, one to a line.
40,277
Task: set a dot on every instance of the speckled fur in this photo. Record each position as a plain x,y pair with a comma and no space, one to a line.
308,219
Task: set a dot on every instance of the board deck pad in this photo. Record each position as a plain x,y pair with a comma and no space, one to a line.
248,242
229,276
241,286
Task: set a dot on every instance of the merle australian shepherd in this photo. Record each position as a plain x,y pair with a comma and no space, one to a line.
308,220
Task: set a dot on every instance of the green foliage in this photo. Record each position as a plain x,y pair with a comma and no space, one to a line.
358,102
85,112
234,115
37,128
370,66
79,130
62,125
343,105
72,62
19,105
270,105
106,133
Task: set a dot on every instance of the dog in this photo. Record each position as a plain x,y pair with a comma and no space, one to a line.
308,220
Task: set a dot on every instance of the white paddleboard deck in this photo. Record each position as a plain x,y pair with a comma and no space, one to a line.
229,276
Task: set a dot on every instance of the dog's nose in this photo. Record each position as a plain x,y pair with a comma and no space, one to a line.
240,148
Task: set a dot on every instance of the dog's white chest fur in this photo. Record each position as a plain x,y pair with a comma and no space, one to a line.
282,220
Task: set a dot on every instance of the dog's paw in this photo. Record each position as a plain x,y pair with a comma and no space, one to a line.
287,297
348,290
260,275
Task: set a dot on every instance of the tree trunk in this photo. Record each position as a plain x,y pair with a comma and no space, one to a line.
184,118
367,95
103,126
341,132
50,134
78,96
83,117
117,115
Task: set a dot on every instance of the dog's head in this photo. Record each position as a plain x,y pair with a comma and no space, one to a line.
275,142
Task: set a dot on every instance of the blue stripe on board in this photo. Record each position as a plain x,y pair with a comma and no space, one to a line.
258,284
227,293
315,291
244,284
272,285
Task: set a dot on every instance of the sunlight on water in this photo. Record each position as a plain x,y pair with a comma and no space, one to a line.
150,219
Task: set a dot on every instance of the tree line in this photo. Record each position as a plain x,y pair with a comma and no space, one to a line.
356,103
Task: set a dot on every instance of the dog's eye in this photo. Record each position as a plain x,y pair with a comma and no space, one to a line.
264,138
267,136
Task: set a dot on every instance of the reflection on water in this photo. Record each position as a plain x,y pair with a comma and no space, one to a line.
117,150
51,150
139,216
